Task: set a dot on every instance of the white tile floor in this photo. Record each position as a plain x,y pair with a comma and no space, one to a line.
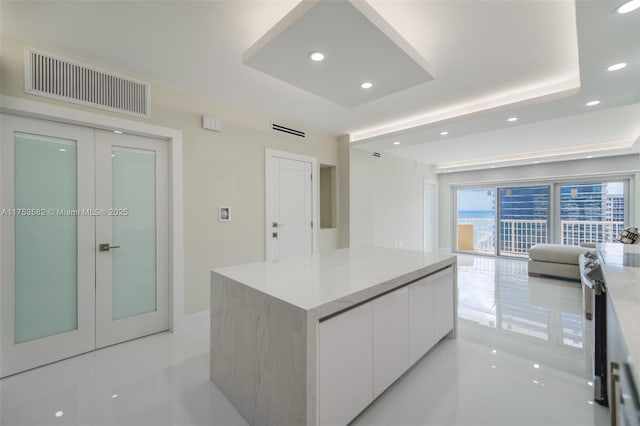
520,359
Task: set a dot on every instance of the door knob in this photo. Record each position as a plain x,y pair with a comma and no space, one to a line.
106,247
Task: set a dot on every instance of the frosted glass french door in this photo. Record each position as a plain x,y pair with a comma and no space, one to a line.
64,190
47,255
132,260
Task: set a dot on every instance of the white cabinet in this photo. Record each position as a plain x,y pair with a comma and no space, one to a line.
444,302
390,338
363,350
345,382
421,315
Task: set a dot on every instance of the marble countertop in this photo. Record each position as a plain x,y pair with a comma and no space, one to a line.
341,278
623,287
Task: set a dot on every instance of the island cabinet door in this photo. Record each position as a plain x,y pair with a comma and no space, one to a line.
444,302
345,385
421,315
390,338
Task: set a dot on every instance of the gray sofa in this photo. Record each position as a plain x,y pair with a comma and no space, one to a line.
555,260
558,261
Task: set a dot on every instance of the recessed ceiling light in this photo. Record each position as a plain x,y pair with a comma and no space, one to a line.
493,167
114,396
119,132
366,85
616,67
536,162
62,150
536,365
59,413
593,103
589,156
396,143
629,6
444,133
512,119
317,56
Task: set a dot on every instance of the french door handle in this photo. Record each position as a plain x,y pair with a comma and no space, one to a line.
106,247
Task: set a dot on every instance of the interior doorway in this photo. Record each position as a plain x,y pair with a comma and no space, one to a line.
291,200
85,255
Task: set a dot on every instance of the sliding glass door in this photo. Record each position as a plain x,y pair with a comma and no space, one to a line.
476,220
509,220
524,218
591,212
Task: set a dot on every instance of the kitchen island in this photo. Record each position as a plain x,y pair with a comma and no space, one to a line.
622,275
315,340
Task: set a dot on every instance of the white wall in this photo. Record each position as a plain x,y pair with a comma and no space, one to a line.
224,168
387,196
624,166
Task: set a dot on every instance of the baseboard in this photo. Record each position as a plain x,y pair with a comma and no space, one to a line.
196,318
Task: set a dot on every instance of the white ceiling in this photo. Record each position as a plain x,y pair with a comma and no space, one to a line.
356,50
540,60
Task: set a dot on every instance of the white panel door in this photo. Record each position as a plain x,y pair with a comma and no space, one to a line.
132,272
289,223
390,338
421,318
345,385
444,302
47,256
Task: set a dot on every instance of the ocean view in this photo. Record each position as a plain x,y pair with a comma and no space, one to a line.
475,214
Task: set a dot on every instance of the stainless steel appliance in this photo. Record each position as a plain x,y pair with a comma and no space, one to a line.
592,276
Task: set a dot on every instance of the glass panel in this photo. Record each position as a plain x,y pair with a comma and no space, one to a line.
591,212
46,241
476,220
524,219
134,230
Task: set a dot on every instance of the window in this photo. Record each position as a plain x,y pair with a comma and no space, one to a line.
591,212
524,218
508,220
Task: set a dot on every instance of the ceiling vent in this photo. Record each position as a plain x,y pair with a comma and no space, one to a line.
294,132
55,77
377,154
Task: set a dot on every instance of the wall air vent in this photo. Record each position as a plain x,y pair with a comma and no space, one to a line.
55,77
294,132
377,154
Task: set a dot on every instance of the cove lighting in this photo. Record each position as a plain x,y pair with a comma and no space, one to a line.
512,119
593,103
629,6
445,133
317,56
616,67
366,85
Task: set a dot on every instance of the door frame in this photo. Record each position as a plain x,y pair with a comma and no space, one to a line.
315,188
52,112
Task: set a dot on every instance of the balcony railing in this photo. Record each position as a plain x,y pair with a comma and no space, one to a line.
575,232
518,235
